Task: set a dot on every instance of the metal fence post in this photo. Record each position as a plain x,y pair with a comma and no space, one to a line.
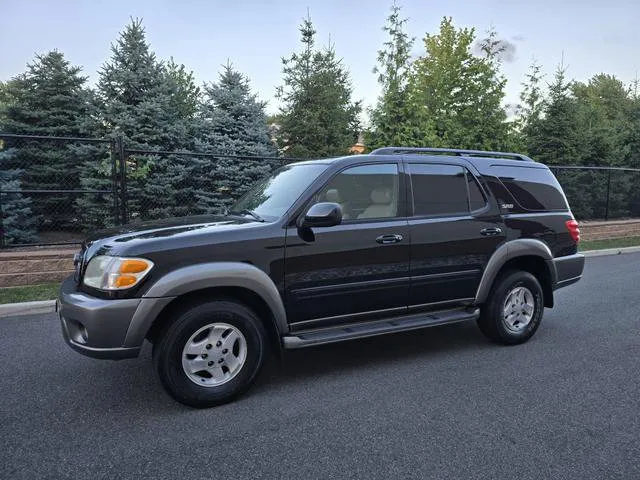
114,181
606,208
123,178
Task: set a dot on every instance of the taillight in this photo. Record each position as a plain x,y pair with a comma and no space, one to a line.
574,230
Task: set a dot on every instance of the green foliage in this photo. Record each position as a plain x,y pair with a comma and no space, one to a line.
319,118
17,222
50,98
531,107
186,94
459,93
232,122
392,119
148,105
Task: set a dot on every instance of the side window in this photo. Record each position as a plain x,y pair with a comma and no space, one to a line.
534,188
476,198
438,189
366,191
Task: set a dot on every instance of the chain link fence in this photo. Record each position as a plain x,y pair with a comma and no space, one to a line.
56,190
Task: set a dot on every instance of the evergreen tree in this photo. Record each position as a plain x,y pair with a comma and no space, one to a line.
555,142
17,224
186,93
630,140
459,92
393,119
49,99
529,111
147,105
319,119
232,122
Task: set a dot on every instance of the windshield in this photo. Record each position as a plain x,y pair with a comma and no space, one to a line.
271,197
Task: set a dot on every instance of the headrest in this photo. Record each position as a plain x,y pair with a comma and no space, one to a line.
381,195
332,195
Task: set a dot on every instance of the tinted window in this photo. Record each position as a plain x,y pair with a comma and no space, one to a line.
533,188
366,191
476,198
271,197
438,189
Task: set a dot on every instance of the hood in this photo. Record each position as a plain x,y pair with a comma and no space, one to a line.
114,240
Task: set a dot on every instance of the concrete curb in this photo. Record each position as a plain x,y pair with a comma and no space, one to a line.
610,251
27,308
48,306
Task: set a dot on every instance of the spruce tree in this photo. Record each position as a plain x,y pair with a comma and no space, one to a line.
147,105
461,93
17,223
393,120
556,140
232,122
319,118
49,99
529,111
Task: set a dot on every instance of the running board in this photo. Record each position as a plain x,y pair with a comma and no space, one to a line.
379,327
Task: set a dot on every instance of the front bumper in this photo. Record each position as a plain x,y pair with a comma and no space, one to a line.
568,270
93,326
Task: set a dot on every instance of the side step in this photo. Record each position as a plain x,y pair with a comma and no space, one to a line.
379,327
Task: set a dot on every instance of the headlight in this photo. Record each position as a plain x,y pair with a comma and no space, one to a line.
115,273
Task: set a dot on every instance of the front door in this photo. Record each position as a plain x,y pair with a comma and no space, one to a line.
358,270
454,231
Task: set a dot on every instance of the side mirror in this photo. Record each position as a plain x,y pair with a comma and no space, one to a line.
324,214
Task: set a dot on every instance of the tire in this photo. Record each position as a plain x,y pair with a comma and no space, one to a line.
211,354
510,323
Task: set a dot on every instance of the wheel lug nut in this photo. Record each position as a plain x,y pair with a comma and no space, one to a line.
204,355
225,351
209,364
218,343
221,360
208,347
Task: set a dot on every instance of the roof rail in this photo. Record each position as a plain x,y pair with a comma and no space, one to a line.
450,151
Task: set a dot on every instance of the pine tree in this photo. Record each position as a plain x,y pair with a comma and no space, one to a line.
233,122
49,99
319,118
17,224
393,120
147,105
630,151
529,111
461,93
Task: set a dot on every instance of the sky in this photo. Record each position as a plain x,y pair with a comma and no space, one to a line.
592,36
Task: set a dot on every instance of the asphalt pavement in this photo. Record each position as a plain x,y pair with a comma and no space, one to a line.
440,403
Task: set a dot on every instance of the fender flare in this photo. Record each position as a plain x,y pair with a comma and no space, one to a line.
508,251
201,276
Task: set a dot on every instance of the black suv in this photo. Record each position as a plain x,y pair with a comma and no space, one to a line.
324,251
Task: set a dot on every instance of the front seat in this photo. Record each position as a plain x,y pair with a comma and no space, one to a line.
382,204
333,195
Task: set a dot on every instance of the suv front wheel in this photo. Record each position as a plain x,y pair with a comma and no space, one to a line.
211,353
514,308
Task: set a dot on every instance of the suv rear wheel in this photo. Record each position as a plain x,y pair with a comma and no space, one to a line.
211,353
514,308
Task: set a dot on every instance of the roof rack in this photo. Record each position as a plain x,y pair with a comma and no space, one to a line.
450,151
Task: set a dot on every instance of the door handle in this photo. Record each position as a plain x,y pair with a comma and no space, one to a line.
385,239
491,231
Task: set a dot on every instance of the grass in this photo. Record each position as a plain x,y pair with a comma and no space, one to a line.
609,243
30,293
49,291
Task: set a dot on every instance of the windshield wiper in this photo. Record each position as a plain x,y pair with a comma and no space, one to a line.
246,211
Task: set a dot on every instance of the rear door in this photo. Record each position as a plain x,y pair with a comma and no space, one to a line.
455,228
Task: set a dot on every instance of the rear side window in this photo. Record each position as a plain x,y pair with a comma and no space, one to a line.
443,190
534,189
